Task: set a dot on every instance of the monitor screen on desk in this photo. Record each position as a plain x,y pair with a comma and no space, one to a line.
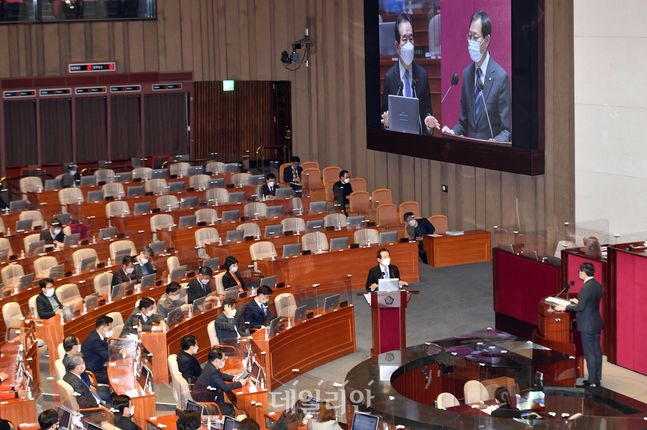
194,406
388,284
64,418
230,423
362,421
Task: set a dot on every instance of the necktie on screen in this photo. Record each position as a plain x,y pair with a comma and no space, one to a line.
407,84
478,95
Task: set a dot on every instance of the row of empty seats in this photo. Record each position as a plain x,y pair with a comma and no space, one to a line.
474,392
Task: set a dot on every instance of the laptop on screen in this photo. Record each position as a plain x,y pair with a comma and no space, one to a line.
404,114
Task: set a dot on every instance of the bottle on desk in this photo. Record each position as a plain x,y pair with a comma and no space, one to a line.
109,262
22,254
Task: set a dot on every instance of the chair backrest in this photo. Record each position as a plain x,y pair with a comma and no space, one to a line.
282,168
60,350
285,305
117,209
11,273
102,283
68,294
310,165
12,315
156,186
475,391
213,336
32,306
359,202
199,182
381,196
114,189
358,184
167,202
206,215
220,288
117,323
217,195
2,226
446,400
440,223
81,254
143,173
366,236
181,390
239,179
60,368
311,179
121,245
43,264
330,173
293,224
249,229
328,189
180,168
35,216
206,235
335,220
31,184
262,250
5,245
172,263
314,241
386,215
70,196
161,221
29,239
67,395
255,209
408,206
104,175
214,167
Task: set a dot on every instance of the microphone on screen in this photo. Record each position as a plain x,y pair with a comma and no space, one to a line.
454,82
479,85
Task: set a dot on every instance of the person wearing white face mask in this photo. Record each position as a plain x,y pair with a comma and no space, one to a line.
124,411
408,79
54,234
47,304
341,190
172,300
145,264
144,316
227,325
485,84
74,367
383,270
257,313
200,286
417,228
268,190
126,273
95,348
232,278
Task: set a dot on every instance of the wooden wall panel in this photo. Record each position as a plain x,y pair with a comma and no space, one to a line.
242,40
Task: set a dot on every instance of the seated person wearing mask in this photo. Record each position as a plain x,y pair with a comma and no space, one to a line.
341,190
292,175
232,279
71,345
74,367
219,382
227,325
71,178
172,300
188,365
47,304
200,286
144,262
95,348
126,272
143,316
268,190
383,270
54,234
124,411
257,313
417,228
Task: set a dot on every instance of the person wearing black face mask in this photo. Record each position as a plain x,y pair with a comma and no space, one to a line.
407,78
417,228
200,286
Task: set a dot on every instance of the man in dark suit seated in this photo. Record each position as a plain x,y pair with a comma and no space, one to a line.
232,279
126,272
292,175
74,367
200,286
341,190
383,270
144,316
144,262
171,300
95,348
54,234
589,322
47,304
72,345
257,313
71,177
212,384
227,325
268,191
417,228
486,85
187,363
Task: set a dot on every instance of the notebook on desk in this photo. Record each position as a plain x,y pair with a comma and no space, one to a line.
557,301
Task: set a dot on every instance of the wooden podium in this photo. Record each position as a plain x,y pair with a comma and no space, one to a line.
389,310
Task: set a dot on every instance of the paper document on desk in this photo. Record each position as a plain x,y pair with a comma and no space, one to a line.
557,301
454,232
435,235
367,296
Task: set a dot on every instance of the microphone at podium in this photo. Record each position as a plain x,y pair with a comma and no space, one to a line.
565,290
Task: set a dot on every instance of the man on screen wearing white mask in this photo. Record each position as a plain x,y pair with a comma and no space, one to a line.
383,270
417,228
485,83
407,78
227,323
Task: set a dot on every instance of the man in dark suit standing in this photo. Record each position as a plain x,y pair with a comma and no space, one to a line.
213,384
257,313
589,322
485,83
268,191
200,286
342,189
187,363
407,78
383,270
292,175
47,304
95,349
74,367
417,228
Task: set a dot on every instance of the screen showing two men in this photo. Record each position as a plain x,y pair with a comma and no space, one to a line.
446,73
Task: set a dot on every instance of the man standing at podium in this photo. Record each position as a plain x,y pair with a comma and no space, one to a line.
383,270
589,322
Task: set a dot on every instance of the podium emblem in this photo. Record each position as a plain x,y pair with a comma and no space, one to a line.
388,300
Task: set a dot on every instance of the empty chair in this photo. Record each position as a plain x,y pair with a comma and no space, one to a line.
440,223
69,296
249,229
68,196
335,220
285,305
310,165
36,218
143,173
408,206
83,254
240,179
161,221
311,179
122,245
104,175
2,230
168,203
446,400
293,224
296,204
358,184
386,215
5,248
156,186
475,392
206,235
206,215
255,210
12,315
11,274
366,236
180,168
114,190
117,209
359,202
262,250
28,240
60,369
315,241
213,334
217,195
102,283
172,263
42,266
330,173
117,323
199,182
30,184
381,196
215,167
328,189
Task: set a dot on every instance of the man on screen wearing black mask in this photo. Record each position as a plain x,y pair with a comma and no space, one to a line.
485,83
407,78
